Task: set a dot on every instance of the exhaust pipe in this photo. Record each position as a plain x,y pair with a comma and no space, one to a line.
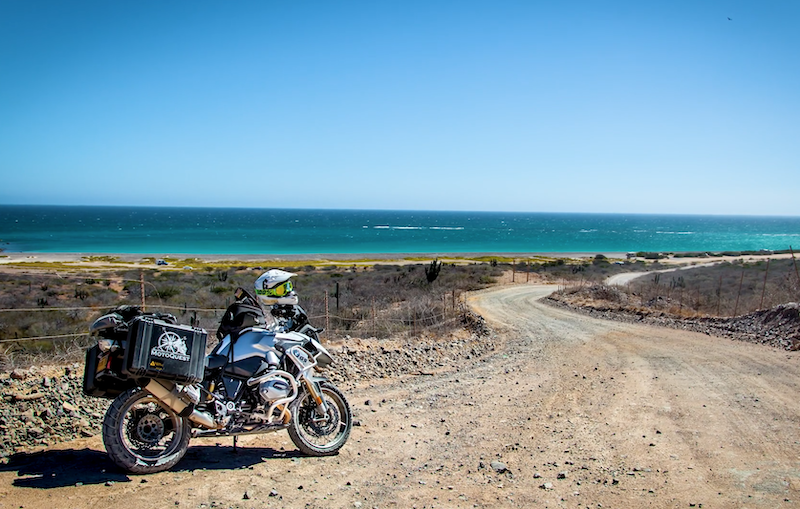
168,393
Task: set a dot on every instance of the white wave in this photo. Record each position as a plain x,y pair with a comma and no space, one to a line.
388,227
675,233
446,227
588,231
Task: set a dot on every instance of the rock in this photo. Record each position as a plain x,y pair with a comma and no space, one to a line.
68,408
546,486
561,475
499,467
246,496
273,493
18,374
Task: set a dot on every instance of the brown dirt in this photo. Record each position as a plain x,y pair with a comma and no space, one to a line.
582,412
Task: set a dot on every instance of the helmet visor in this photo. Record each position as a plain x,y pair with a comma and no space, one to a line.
278,291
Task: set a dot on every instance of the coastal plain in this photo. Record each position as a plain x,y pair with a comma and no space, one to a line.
567,411
564,410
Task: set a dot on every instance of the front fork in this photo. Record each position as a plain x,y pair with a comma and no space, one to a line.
313,388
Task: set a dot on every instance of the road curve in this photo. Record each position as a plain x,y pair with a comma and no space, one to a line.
685,418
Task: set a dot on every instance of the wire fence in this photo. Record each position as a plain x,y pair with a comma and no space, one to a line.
414,320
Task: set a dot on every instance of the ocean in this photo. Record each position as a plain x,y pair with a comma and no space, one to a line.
162,230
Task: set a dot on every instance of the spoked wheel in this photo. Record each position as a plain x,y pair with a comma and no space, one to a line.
317,435
142,435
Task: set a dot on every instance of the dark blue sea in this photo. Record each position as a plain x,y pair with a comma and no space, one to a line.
153,230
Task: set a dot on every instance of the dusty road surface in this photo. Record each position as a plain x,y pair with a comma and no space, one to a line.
571,412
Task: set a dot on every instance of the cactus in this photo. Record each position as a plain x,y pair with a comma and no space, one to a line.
432,270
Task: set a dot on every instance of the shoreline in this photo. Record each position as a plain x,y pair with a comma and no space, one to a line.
180,260
21,257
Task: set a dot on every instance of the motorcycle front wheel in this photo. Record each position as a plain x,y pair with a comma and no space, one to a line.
317,435
142,435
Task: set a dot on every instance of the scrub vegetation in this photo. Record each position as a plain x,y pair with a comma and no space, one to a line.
729,288
380,300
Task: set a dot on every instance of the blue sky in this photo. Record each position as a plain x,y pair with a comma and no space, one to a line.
651,107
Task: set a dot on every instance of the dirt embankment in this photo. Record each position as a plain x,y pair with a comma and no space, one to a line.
567,411
778,327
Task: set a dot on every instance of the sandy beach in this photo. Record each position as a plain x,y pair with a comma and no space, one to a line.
131,258
138,259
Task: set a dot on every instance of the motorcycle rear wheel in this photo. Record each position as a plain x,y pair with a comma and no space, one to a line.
324,436
142,435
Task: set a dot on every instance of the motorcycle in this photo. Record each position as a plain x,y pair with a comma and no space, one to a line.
257,379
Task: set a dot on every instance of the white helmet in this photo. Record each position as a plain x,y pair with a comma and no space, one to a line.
274,287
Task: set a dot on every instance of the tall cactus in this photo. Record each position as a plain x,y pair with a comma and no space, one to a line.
432,270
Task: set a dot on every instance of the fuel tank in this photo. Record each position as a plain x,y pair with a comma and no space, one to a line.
253,347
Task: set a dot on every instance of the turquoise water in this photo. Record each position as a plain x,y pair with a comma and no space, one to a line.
150,230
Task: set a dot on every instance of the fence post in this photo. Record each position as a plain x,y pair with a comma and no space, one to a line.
141,286
327,315
741,279
764,288
513,269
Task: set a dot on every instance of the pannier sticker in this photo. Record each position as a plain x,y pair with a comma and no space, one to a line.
156,364
170,346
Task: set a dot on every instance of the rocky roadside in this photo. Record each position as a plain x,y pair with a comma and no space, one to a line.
778,327
46,405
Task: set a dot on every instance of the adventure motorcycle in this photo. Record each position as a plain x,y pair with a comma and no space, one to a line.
165,391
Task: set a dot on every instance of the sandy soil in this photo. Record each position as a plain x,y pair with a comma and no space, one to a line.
126,259
581,413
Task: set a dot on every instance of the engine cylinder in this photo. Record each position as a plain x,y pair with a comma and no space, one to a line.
271,390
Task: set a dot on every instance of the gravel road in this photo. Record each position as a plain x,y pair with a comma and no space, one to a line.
569,411
626,277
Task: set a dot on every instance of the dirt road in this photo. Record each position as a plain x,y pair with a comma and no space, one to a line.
626,277
581,413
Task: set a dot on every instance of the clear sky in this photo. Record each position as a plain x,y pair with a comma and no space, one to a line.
579,106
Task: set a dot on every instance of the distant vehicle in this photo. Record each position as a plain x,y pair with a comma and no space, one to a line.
187,267
161,262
